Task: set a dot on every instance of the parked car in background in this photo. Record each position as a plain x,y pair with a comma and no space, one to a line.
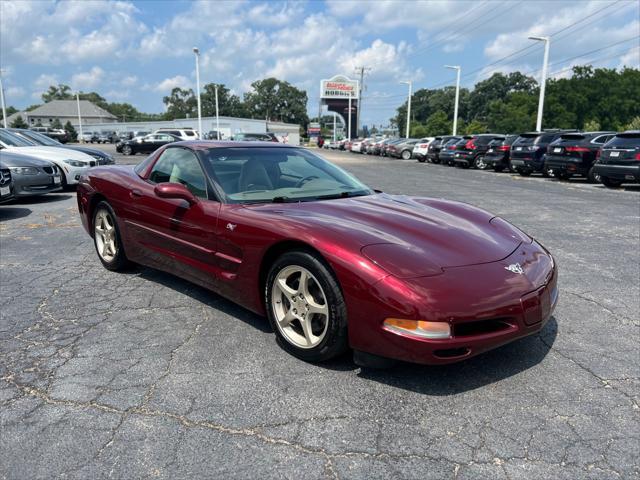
181,133
6,183
147,144
56,133
433,151
356,145
384,150
498,153
71,162
87,137
213,135
403,149
619,160
255,137
471,153
105,137
529,149
102,158
421,148
448,150
575,154
31,176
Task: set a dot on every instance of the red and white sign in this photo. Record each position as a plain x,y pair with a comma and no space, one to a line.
339,87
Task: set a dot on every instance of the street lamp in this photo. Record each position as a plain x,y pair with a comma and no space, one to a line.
4,110
410,83
455,108
79,117
349,127
543,79
217,117
197,53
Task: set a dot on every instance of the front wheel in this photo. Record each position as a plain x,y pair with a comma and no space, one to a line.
479,163
406,155
421,159
561,175
127,150
107,240
498,168
305,307
592,176
524,173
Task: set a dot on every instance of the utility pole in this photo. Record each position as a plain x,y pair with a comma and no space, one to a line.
362,71
349,127
410,83
4,110
543,79
455,108
217,116
196,51
79,117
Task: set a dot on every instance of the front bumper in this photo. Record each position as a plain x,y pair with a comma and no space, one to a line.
485,305
39,184
73,174
624,173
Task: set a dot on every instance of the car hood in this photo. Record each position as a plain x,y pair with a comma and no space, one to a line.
411,236
89,151
12,159
52,153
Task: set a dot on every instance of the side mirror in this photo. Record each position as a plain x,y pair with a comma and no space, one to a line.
175,190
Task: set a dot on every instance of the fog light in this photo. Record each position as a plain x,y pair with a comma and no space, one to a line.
418,328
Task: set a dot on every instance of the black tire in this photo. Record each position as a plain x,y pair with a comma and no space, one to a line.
498,168
406,155
63,179
561,175
524,173
435,160
593,177
127,150
421,159
478,163
335,341
610,183
462,165
547,172
120,261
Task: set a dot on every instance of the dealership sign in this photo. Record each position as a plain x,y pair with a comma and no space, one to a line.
339,87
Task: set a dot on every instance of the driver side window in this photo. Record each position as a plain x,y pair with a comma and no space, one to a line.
178,165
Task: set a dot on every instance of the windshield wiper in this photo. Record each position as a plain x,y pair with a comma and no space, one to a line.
344,194
283,199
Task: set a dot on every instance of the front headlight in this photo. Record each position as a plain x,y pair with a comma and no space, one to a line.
76,163
24,170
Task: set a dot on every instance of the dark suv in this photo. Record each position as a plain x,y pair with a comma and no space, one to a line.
575,154
498,154
448,150
619,160
471,153
433,152
529,149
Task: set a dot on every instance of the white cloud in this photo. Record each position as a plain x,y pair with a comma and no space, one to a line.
87,80
168,84
129,81
14,92
45,80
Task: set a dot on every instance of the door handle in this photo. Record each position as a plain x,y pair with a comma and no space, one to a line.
135,193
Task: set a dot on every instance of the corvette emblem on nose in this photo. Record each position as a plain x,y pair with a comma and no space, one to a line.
515,268
231,226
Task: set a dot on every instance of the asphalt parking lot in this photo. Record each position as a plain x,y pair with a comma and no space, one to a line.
143,375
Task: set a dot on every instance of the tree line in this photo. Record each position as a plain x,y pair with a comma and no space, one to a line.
590,99
269,99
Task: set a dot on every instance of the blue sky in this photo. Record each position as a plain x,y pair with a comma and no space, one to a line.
137,51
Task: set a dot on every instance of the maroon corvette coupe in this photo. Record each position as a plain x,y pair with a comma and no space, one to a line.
332,263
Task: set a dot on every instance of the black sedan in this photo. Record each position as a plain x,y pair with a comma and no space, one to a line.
31,176
619,160
147,144
575,154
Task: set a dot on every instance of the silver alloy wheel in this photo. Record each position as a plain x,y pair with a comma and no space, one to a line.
105,235
127,150
480,163
299,306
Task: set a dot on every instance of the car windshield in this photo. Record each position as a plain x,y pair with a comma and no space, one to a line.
38,138
14,140
258,175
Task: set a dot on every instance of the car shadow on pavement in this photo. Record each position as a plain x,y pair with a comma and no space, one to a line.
485,369
13,213
41,199
204,296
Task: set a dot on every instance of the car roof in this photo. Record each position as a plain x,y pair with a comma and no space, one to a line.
206,144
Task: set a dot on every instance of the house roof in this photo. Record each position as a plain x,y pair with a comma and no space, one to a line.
69,108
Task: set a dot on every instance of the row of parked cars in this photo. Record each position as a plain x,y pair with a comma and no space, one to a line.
32,163
611,158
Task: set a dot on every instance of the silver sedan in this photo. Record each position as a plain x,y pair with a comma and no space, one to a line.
31,176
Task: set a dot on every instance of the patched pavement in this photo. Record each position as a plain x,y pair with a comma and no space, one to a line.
143,375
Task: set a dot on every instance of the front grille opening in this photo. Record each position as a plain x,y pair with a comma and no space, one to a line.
48,169
452,352
480,327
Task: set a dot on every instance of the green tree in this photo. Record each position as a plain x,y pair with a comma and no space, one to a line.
180,104
18,122
514,114
438,124
56,124
592,125
71,132
11,110
634,124
417,130
94,98
32,107
57,92
497,87
276,100
229,105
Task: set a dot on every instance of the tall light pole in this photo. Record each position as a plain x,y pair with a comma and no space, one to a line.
197,53
4,110
543,79
79,117
455,108
349,126
334,126
217,117
410,83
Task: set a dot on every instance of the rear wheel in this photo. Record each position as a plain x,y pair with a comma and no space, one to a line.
421,159
498,168
524,173
609,183
561,175
107,240
479,163
406,154
127,150
305,307
593,177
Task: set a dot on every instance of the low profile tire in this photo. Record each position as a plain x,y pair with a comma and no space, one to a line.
63,179
306,308
609,183
478,162
127,150
406,155
593,177
107,239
